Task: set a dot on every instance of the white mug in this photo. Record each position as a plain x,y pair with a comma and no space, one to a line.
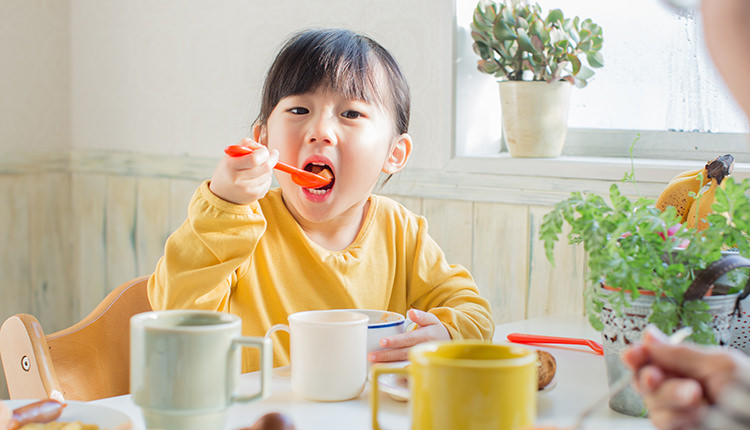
326,349
184,365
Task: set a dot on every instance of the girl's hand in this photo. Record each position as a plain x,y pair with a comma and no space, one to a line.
428,328
243,180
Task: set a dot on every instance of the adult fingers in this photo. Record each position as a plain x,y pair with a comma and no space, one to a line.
676,393
667,419
676,404
699,363
635,357
649,379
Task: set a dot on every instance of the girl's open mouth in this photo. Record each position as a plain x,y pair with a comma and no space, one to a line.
323,170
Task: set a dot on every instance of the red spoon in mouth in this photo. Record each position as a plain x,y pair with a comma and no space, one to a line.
303,178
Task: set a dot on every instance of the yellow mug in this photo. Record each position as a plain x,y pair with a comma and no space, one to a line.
468,385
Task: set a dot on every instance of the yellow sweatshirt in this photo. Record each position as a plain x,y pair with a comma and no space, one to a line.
256,262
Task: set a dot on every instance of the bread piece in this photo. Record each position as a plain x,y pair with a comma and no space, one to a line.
546,366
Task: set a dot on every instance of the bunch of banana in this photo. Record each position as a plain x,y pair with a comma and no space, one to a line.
683,191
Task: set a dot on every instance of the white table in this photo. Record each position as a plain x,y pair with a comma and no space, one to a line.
580,378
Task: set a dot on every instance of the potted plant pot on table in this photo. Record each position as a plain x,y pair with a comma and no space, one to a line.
678,261
537,60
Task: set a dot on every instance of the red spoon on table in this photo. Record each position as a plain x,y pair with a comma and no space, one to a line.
534,338
300,177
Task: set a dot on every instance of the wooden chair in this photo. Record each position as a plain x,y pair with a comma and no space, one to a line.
87,361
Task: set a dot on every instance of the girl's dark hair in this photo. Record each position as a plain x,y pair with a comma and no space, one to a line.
340,60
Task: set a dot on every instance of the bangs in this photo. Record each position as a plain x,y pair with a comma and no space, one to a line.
346,69
336,60
343,62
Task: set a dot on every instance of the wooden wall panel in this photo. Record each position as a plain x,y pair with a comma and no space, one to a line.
450,223
89,259
501,258
554,290
50,246
15,253
120,212
152,222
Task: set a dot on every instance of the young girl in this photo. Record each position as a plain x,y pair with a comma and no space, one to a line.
333,101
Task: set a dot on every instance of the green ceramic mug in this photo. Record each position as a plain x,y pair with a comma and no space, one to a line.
184,365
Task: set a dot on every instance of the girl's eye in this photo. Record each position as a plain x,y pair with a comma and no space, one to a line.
299,110
351,114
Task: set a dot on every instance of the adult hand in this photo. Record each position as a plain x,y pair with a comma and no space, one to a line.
428,328
679,382
243,180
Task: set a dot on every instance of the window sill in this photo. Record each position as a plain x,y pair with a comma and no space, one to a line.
539,181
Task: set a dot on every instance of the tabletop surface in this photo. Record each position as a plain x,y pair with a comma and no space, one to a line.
580,380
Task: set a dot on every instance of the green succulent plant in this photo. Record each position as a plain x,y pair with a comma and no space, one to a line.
515,42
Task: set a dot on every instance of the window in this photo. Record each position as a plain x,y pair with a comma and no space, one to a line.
658,82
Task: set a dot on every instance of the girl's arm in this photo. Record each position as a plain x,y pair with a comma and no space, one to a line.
202,257
447,299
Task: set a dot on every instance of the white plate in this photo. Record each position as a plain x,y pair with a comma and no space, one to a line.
397,386
106,418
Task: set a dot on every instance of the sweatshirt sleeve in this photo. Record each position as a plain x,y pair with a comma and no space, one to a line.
202,257
448,291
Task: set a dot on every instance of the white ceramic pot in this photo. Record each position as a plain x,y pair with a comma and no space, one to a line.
535,117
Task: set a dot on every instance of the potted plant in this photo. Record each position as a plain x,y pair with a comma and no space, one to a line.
644,266
536,59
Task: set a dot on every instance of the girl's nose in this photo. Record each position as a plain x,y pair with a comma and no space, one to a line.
322,130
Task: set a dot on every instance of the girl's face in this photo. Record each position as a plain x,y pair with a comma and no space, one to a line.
352,139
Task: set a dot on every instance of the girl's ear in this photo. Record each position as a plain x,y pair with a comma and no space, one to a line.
399,155
259,133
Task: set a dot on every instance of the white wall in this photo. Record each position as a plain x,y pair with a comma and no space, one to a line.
34,76
184,77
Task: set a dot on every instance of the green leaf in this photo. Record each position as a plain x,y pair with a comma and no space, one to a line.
584,73
575,62
536,27
508,16
502,32
524,42
522,23
554,15
595,59
481,50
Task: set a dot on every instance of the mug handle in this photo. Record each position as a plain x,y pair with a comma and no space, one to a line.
266,363
286,370
378,370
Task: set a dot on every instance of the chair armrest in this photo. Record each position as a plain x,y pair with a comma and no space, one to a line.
28,367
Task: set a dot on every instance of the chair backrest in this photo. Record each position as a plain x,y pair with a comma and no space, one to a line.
87,361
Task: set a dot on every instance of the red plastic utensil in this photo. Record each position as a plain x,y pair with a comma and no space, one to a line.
300,177
534,338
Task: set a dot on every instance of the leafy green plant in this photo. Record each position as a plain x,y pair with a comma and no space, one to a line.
635,247
514,41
